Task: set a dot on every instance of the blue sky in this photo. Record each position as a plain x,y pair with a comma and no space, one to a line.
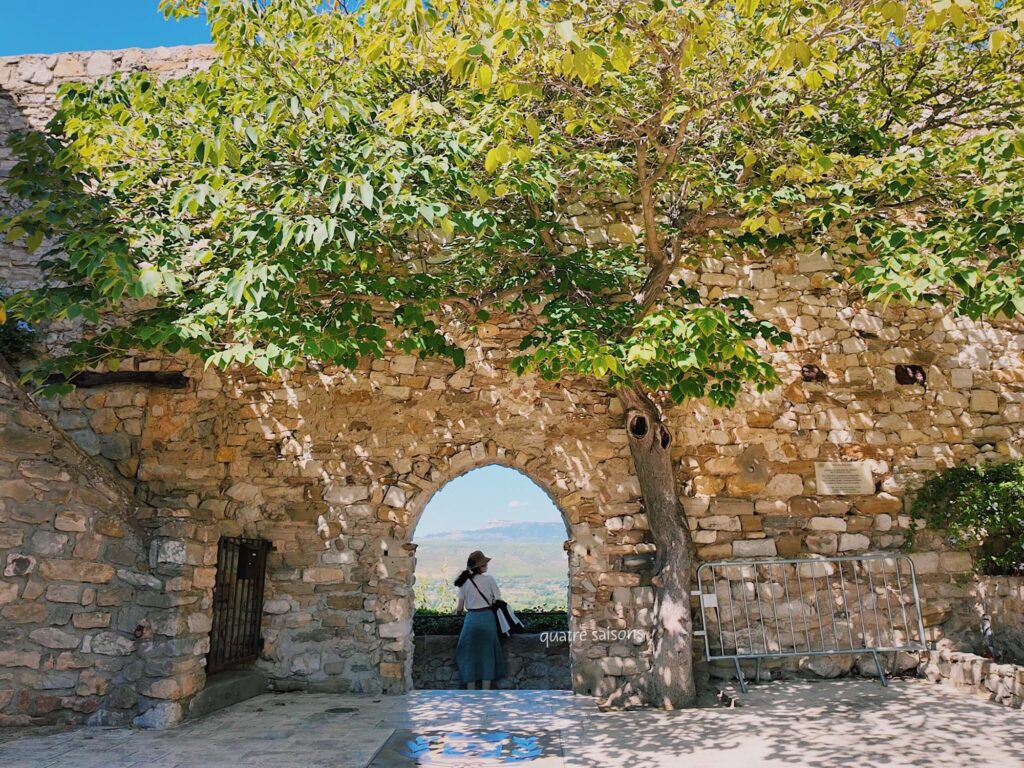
54,26
489,493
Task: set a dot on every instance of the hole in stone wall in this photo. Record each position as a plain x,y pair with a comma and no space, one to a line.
812,374
911,374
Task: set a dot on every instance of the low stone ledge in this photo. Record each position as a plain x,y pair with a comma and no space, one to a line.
531,663
226,689
988,679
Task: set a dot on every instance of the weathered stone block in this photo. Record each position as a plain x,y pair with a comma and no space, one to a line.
51,637
754,548
395,497
91,620
720,523
827,524
346,494
18,490
25,613
955,562
785,486
323,575
11,658
8,592
395,629
925,562
91,684
615,579
882,503
162,715
182,685
11,538
803,506
306,663
76,570
244,492
108,526
853,542
112,644
984,401
48,543
725,507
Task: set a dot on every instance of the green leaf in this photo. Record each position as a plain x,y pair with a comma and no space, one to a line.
894,12
151,281
366,194
33,241
999,39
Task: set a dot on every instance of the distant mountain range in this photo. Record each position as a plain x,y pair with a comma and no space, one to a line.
503,530
528,561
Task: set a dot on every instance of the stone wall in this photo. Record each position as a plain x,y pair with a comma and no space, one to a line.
93,619
334,467
531,663
28,93
967,601
984,678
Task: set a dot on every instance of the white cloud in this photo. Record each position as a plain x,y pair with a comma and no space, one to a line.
516,504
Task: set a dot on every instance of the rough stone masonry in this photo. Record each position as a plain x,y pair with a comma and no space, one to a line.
112,500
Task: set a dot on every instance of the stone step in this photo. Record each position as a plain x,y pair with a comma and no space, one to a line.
226,688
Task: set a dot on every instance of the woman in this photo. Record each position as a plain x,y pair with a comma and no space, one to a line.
479,653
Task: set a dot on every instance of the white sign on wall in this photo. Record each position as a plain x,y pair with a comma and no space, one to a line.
843,478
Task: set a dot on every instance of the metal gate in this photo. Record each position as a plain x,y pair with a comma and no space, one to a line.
237,603
755,609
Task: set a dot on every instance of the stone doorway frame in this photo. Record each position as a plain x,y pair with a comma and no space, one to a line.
424,500
594,605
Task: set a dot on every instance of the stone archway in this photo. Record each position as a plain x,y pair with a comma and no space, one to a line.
522,652
602,595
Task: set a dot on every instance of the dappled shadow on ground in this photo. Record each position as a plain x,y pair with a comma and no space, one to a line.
819,725
814,724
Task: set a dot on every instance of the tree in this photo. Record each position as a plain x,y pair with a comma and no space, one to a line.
343,183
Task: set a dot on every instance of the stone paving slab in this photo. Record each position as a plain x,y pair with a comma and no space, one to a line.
820,725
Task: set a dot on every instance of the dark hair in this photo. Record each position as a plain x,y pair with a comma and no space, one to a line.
464,576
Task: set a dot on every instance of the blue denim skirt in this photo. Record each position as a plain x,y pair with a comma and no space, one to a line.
478,654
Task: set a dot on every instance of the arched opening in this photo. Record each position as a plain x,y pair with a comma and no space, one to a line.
508,516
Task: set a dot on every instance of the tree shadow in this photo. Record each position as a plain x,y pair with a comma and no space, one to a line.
815,724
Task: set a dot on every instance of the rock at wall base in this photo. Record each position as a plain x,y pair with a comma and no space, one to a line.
162,715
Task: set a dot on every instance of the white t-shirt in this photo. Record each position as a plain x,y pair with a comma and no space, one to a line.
472,598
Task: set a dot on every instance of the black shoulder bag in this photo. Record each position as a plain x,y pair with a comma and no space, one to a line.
515,626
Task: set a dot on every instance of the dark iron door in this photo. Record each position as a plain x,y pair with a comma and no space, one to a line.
237,603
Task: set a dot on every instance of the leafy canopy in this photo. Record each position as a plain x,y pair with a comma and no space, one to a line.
339,183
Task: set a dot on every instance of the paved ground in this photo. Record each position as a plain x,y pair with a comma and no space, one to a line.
824,724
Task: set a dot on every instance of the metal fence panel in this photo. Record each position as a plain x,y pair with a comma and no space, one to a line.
754,609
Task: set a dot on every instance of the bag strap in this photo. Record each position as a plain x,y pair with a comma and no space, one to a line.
489,604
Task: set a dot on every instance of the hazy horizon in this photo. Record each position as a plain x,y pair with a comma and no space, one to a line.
484,496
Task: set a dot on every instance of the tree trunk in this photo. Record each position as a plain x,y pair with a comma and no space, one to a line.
670,683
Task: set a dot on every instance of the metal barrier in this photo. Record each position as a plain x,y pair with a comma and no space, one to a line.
755,609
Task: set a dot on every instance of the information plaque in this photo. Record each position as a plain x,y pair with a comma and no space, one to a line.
843,478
